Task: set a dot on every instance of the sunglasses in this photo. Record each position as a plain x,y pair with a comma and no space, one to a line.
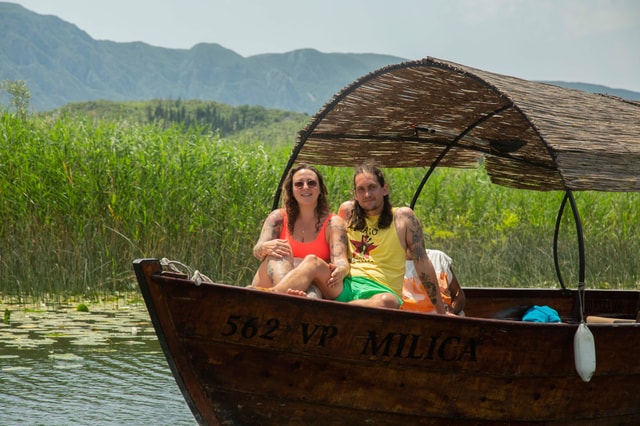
310,183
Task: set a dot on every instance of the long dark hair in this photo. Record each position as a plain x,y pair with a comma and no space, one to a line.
358,217
292,207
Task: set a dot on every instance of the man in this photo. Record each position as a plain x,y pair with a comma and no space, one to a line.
379,239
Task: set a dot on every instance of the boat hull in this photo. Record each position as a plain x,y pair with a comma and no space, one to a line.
244,356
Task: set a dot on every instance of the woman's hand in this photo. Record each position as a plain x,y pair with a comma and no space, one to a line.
276,248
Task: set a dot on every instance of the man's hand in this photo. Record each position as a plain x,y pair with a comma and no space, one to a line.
338,273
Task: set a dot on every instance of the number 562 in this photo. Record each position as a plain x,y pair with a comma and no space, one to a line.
250,327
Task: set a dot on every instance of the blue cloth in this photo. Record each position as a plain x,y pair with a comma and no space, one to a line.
541,314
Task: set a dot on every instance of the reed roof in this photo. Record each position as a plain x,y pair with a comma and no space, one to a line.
529,135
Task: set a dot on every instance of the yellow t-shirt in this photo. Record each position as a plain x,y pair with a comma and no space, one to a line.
377,254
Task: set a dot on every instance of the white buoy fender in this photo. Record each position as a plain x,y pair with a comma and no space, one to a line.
584,350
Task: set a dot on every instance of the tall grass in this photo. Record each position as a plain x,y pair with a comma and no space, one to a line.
82,199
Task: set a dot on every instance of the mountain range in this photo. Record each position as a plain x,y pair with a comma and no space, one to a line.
60,64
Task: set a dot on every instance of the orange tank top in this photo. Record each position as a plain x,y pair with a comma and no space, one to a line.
319,246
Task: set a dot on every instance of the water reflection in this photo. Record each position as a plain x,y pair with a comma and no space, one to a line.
103,367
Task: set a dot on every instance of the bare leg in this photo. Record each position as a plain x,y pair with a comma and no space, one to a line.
271,271
312,270
380,300
257,277
278,268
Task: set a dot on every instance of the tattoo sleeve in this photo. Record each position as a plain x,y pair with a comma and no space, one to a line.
270,231
426,273
274,226
415,238
431,287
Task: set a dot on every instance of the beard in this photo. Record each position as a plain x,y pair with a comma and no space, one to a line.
371,207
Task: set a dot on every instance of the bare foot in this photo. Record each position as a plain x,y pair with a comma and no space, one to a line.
300,293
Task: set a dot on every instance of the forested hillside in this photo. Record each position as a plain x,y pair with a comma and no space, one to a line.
203,116
61,64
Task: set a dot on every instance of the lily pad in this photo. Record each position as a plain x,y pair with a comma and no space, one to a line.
66,357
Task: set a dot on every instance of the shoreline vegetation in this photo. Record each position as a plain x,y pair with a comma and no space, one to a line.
85,192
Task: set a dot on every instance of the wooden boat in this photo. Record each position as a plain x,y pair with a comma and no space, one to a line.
244,356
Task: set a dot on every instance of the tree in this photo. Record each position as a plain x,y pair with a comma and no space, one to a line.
20,95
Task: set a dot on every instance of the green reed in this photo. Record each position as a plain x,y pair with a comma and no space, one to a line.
82,199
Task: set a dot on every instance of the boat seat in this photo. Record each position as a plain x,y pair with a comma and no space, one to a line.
594,319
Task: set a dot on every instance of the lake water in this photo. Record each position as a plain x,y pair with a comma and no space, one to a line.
103,367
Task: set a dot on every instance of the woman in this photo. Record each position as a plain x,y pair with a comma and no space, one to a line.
304,227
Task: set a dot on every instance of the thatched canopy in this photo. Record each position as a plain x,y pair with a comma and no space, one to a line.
529,135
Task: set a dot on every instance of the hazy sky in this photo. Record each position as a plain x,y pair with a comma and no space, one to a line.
590,41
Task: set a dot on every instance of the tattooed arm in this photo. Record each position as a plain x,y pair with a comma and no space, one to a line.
345,210
269,244
337,239
408,225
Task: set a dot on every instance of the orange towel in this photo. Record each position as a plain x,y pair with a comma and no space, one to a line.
414,295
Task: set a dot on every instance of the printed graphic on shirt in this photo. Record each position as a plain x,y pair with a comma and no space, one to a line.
363,247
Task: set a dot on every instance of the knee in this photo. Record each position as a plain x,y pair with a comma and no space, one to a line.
386,300
390,301
312,261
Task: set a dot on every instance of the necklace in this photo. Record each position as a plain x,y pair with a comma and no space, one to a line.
303,226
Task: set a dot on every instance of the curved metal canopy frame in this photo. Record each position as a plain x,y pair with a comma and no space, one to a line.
437,161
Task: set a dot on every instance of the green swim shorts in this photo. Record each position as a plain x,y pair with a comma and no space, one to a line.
356,288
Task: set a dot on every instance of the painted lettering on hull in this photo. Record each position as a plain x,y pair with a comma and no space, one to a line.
318,334
416,346
375,345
